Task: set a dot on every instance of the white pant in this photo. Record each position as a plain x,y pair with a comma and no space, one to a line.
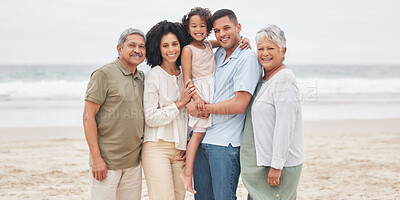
119,185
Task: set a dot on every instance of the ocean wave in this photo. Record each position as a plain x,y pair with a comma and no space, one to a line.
350,85
47,90
309,88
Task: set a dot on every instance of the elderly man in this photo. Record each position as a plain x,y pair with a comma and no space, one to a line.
113,121
217,167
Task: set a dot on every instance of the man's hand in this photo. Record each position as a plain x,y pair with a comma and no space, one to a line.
245,43
273,176
193,110
203,115
99,169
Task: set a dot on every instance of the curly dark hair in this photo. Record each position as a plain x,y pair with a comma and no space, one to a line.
204,13
153,41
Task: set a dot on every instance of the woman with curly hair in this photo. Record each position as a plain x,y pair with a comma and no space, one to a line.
165,97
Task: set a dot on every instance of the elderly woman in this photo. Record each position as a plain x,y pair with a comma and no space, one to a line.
272,150
165,133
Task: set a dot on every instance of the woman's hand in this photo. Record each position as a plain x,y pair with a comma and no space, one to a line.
245,43
187,92
273,176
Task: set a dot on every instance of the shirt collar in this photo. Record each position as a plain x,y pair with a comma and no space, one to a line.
125,70
235,53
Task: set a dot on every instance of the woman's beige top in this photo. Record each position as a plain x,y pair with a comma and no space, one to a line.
163,119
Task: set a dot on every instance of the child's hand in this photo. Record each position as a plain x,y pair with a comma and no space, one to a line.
245,43
200,104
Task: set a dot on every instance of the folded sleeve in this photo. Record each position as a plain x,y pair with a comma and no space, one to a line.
97,88
248,73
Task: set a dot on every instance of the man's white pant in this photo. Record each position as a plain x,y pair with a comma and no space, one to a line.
119,185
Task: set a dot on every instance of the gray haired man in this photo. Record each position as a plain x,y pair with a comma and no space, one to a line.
113,121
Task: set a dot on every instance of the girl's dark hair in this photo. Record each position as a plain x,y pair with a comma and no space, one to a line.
153,41
204,13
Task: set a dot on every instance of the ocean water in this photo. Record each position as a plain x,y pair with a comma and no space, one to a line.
52,95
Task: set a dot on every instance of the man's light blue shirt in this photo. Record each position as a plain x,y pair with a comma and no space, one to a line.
240,72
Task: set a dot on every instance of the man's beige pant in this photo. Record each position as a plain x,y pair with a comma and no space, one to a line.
162,170
119,185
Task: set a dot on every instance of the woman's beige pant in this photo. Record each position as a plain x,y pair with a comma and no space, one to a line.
162,170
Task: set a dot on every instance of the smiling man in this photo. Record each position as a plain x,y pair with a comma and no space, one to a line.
113,121
217,167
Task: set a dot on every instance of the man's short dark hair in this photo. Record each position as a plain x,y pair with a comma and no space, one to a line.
153,41
222,13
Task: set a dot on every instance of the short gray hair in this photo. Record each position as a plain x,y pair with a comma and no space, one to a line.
129,31
273,33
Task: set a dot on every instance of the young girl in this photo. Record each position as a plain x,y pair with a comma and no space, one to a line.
198,65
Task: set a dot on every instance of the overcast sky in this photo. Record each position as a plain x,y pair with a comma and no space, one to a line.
87,31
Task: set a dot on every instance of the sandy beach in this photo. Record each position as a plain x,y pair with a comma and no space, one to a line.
345,159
